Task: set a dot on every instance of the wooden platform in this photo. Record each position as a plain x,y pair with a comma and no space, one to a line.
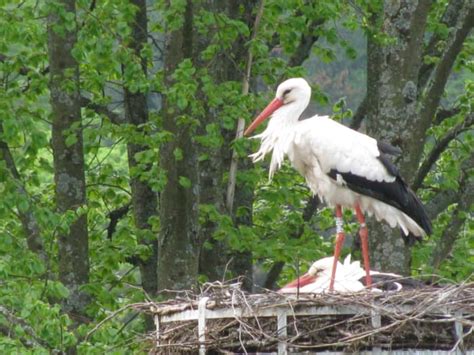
223,319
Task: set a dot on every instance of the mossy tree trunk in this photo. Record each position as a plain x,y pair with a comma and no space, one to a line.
179,201
144,199
403,96
67,144
186,244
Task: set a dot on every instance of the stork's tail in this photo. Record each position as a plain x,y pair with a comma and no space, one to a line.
393,282
410,239
417,211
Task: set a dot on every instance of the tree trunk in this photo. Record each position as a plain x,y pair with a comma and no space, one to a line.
178,248
144,199
219,260
182,235
69,178
392,114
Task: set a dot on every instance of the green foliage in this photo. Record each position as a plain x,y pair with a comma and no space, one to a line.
211,107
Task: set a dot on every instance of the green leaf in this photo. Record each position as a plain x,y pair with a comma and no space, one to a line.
71,139
185,182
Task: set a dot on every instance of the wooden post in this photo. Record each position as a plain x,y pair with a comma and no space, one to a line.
282,330
376,321
202,325
459,333
156,320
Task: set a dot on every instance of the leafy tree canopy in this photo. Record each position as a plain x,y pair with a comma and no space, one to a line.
162,87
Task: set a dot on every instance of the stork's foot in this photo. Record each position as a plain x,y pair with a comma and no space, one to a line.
337,251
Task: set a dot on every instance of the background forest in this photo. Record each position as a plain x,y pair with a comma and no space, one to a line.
121,175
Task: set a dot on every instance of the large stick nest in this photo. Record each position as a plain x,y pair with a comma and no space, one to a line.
429,318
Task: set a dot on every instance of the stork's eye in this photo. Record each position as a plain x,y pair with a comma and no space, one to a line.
286,92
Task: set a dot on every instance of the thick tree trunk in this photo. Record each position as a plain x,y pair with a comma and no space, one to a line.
178,241
144,199
70,190
219,262
182,233
392,115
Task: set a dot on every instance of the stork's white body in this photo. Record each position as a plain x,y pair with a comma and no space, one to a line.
347,280
319,144
343,167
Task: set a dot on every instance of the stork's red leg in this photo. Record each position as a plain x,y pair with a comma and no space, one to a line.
364,241
339,242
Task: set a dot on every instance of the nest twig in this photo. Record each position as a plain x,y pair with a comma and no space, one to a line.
429,318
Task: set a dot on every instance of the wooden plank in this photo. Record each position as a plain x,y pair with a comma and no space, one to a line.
272,312
263,312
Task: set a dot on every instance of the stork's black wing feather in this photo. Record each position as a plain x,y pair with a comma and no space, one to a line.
385,148
389,282
387,163
396,194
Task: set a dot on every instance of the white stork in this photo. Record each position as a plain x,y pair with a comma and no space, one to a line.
345,168
349,278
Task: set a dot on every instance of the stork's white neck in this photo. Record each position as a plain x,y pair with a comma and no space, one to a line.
279,132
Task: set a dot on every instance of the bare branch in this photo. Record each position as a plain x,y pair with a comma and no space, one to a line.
241,121
307,41
108,318
273,274
359,114
102,110
439,148
444,113
413,38
301,53
22,70
440,201
443,68
27,218
7,332
14,320
449,19
465,201
114,217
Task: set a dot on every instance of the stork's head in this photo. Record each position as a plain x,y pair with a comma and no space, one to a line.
295,91
291,90
320,268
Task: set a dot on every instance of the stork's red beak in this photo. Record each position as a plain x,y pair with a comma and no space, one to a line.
300,282
272,107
